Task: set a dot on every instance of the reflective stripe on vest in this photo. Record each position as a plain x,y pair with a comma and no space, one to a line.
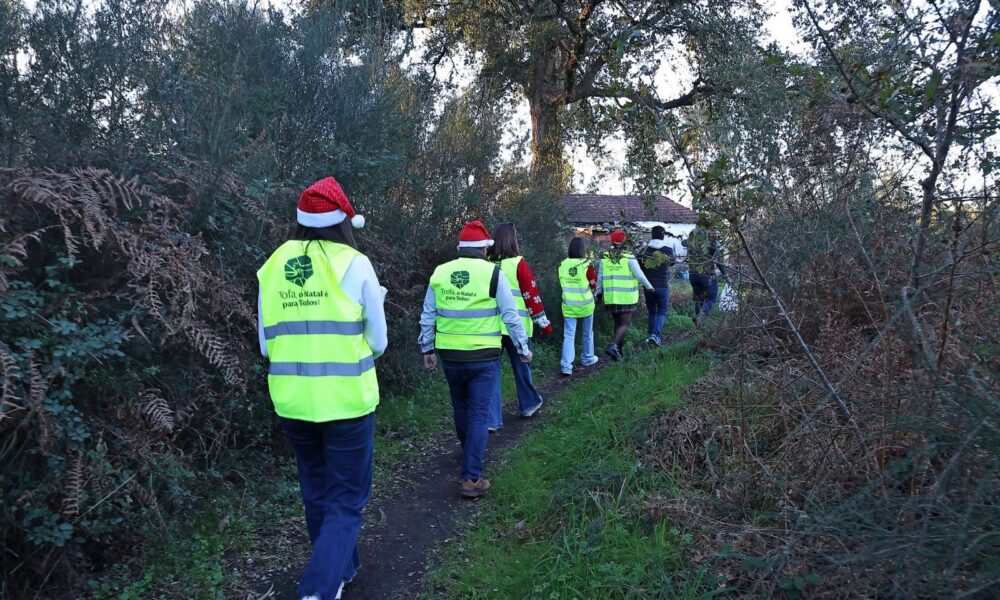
321,366
577,299
314,327
324,369
509,268
467,317
617,281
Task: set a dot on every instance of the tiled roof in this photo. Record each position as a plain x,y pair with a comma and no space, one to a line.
600,208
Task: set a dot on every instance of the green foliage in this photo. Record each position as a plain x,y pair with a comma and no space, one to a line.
589,69
152,162
565,516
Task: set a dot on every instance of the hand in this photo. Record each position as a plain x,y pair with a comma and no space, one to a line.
526,358
547,330
430,362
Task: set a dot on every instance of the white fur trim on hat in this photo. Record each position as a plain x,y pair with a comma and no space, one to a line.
357,221
479,244
317,220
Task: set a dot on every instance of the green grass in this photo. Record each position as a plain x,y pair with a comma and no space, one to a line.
188,559
564,518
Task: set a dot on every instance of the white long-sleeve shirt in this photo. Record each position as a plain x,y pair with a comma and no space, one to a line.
508,314
360,283
633,266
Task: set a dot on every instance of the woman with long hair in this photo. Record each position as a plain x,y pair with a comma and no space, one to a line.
507,253
322,324
578,280
619,276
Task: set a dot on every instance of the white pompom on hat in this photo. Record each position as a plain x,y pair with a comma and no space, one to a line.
475,235
324,204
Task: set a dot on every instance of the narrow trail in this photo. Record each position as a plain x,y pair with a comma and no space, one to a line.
404,527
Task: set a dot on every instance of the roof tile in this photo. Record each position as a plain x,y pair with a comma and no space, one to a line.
601,208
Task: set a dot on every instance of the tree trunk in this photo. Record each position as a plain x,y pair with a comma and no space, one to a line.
546,99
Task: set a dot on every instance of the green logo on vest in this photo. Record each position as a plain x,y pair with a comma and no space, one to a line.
298,270
573,271
460,279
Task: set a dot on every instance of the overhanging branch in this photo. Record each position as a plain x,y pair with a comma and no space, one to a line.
697,92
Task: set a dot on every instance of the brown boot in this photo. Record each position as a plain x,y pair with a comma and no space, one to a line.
475,489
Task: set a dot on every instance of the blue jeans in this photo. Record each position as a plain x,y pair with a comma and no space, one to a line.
472,385
705,289
528,397
569,342
334,461
657,304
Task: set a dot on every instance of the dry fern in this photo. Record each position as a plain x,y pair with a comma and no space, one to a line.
156,409
8,396
73,487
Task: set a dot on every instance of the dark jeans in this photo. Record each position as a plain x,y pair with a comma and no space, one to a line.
657,305
472,385
334,460
705,289
527,396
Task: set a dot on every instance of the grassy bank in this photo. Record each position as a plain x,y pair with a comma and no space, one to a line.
566,517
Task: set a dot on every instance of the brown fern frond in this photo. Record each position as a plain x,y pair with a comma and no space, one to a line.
156,409
148,499
217,351
73,487
38,387
8,394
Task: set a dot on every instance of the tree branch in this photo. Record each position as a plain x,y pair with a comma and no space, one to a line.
892,121
831,390
697,92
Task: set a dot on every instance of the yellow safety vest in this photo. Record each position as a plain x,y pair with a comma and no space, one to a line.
467,317
321,366
577,298
509,268
619,284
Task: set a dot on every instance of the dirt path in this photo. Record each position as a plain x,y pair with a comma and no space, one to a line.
402,529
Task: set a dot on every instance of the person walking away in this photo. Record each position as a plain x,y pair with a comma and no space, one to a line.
322,324
657,261
703,255
578,280
507,253
618,278
468,302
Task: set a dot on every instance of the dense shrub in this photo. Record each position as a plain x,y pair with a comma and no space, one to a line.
847,445
153,160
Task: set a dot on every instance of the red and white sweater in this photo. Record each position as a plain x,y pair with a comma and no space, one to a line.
533,299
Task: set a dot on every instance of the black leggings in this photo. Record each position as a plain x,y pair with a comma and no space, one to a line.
622,322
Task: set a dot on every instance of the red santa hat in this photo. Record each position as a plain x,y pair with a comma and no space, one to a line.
474,235
618,237
324,204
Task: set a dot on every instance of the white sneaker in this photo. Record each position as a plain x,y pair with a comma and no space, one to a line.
591,363
340,592
531,413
